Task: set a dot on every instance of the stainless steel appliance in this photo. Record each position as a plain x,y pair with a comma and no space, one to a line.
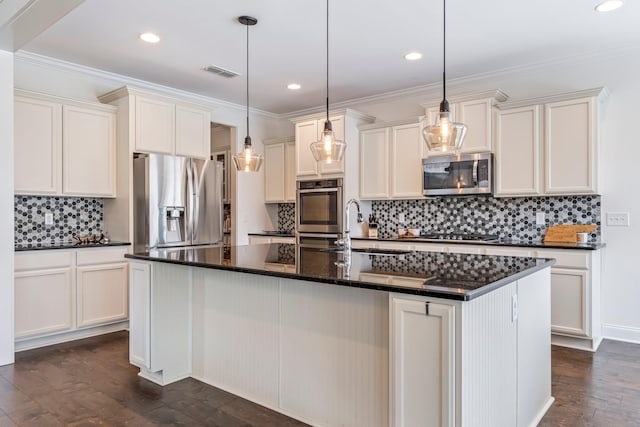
177,201
320,206
458,175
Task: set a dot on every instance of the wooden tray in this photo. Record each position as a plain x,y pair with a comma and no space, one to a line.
567,232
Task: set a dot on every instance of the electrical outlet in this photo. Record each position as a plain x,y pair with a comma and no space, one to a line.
401,218
618,219
540,218
48,218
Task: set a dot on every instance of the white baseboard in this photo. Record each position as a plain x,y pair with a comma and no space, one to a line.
30,343
621,333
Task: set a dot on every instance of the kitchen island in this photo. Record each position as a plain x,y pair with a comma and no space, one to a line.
372,339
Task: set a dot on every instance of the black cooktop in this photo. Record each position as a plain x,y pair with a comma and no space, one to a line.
460,236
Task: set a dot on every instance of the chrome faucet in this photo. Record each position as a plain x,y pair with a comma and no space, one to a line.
345,242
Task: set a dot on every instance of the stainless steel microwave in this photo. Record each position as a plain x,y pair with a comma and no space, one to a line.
458,175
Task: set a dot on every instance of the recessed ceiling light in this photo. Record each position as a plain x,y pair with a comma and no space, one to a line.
608,5
149,37
294,86
412,56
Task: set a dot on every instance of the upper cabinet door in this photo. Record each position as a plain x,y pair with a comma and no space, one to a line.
406,161
37,146
274,173
154,123
306,133
477,116
570,147
337,124
89,164
374,164
290,172
517,151
193,132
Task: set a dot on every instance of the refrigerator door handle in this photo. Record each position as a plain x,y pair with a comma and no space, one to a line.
196,200
190,202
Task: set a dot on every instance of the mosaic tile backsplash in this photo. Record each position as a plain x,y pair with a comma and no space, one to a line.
286,216
509,218
71,215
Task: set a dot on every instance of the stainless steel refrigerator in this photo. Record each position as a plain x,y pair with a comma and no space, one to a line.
177,201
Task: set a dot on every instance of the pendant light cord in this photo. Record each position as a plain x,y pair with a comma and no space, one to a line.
247,139
444,49
327,60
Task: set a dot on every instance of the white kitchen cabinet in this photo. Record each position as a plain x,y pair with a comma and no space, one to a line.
154,125
569,301
422,360
44,301
476,113
88,152
37,146
308,132
570,146
160,321
308,129
162,124
279,171
193,132
553,154
140,320
102,292
63,147
391,161
517,149
66,294
374,164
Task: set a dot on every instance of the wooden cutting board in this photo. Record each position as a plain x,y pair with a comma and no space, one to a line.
567,232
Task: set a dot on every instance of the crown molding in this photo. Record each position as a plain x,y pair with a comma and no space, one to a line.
284,140
602,93
142,85
497,95
379,125
341,112
62,100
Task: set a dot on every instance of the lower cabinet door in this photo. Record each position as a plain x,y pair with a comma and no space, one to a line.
44,301
422,363
140,314
102,294
569,303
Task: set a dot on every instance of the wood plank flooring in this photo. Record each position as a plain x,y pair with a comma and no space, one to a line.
90,382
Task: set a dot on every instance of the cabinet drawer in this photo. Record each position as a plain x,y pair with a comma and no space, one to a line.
42,259
101,256
508,251
567,259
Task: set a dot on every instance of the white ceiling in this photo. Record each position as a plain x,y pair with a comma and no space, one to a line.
368,40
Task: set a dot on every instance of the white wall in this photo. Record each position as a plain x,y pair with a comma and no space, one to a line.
6,213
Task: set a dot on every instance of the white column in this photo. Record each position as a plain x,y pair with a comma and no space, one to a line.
6,210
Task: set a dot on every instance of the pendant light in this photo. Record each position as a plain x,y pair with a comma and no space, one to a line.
328,149
445,135
247,160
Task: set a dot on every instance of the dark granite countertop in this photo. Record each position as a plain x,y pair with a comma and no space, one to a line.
502,242
64,245
282,233
434,274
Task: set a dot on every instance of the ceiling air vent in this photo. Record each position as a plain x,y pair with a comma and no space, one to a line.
221,71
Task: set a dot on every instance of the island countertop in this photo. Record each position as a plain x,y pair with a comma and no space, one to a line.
434,274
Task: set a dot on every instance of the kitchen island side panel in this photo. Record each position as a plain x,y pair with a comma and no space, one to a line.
236,333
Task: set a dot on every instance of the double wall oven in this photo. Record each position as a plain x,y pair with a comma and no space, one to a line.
319,217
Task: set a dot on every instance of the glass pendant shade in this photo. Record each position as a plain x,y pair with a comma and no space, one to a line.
247,160
445,136
328,149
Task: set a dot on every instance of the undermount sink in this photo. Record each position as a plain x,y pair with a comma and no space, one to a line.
370,251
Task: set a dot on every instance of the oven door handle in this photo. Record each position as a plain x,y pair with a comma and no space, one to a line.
319,190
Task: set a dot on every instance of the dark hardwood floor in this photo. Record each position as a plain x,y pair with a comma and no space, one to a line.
91,382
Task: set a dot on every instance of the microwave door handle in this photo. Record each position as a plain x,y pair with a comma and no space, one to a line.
475,173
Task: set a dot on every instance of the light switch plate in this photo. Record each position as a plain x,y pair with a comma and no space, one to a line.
618,219
540,218
48,218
